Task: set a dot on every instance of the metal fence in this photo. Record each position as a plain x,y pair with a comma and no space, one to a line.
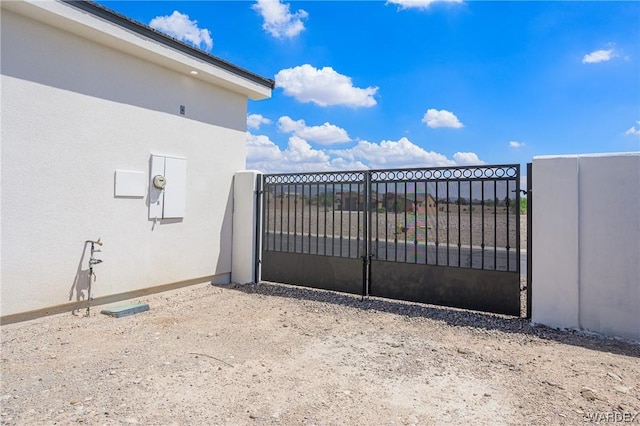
467,217
303,213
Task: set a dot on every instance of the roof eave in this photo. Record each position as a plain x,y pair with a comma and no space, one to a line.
121,33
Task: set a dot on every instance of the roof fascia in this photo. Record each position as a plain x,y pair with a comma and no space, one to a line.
103,26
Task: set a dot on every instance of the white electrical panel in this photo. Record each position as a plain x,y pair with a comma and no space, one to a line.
167,187
129,184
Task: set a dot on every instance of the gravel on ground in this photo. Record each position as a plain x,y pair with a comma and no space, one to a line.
278,354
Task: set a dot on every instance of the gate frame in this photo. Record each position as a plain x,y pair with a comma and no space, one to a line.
367,246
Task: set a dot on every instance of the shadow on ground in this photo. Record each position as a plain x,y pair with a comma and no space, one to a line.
452,316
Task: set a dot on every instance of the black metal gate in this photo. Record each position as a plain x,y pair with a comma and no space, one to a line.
447,236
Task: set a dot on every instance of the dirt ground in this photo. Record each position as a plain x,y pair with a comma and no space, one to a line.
275,354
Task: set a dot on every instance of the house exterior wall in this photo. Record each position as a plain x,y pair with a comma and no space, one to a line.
586,243
74,112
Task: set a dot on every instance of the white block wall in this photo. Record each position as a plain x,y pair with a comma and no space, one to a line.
586,243
74,112
245,216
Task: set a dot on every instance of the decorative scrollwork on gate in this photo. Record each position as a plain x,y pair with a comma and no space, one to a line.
446,173
325,177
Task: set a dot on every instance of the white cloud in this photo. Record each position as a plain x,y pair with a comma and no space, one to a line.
179,25
266,156
287,125
278,20
299,156
467,159
443,118
299,151
254,121
324,87
419,4
325,134
389,154
262,150
599,56
633,131
345,164
516,144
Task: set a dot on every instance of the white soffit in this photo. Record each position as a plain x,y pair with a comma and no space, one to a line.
102,31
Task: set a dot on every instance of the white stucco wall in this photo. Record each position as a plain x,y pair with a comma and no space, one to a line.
245,216
586,243
73,112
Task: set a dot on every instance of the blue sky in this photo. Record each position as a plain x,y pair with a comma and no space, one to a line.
375,84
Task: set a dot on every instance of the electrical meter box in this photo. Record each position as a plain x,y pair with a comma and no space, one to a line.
167,187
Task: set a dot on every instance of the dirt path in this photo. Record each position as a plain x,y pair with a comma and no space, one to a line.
273,354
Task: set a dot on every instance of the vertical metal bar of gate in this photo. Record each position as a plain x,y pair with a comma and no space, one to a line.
448,227
517,207
258,231
529,237
495,224
366,219
482,218
459,228
437,226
